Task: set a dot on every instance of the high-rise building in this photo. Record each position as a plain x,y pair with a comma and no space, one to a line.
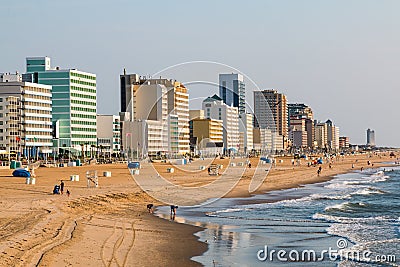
215,108
344,142
232,91
270,110
310,133
178,105
321,134
332,135
370,137
108,135
74,105
299,110
164,103
25,118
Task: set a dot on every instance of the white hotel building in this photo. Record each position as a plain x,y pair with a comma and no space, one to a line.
25,117
214,108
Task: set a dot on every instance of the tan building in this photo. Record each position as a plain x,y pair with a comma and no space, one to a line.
165,102
344,142
178,104
208,134
196,113
321,135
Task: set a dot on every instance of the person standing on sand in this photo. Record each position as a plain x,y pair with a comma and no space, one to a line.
173,209
62,187
68,193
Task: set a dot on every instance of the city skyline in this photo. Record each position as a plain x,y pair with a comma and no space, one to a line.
335,67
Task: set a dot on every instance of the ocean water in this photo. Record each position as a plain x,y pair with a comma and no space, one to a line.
355,216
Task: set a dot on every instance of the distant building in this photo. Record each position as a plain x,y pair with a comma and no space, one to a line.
245,132
310,133
108,135
74,102
344,142
214,108
321,135
270,110
326,135
299,110
298,132
332,136
25,118
10,77
371,137
232,91
266,141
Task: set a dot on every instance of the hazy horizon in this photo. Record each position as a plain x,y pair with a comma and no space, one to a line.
338,57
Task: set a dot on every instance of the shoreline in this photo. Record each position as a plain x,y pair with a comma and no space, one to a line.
240,190
110,224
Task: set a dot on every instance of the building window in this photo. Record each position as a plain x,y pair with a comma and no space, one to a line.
1,99
1,122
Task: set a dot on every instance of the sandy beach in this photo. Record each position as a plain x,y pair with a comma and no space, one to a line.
110,225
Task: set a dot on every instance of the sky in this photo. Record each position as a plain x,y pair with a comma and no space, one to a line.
339,57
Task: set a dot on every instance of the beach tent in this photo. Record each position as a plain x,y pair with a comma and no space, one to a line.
21,173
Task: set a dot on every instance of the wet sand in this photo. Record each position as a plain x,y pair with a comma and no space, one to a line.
109,225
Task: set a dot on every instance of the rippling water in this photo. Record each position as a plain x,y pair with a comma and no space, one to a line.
363,208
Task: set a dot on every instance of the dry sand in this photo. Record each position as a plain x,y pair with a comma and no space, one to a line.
109,225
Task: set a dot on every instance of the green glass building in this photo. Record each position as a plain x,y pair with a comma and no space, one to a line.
74,106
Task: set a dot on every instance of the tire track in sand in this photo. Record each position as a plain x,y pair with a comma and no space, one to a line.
118,244
104,260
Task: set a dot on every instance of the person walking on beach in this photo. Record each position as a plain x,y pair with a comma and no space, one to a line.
62,187
318,172
68,193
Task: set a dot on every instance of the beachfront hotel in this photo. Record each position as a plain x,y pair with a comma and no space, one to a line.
232,90
74,105
206,133
299,110
159,109
344,142
246,126
326,135
108,135
178,110
25,118
215,108
270,110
